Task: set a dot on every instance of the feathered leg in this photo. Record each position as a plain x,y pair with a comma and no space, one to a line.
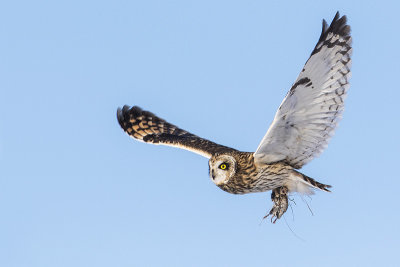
280,199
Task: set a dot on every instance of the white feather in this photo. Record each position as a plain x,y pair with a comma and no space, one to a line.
311,110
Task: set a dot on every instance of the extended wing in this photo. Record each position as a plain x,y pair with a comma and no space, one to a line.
147,127
308,115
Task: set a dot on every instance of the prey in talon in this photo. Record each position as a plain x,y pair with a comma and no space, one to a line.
280,199
301,129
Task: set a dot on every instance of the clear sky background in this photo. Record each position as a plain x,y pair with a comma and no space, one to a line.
75,190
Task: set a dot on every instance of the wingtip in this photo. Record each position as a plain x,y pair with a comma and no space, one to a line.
338,25
126,111
337,15
121,114
324,25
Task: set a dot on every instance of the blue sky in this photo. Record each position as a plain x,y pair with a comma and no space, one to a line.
76,191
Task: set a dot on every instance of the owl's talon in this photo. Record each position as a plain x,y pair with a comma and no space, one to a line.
280,199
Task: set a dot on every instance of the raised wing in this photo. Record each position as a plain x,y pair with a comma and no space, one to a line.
308,115
147,127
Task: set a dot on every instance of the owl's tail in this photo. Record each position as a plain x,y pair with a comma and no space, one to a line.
303,184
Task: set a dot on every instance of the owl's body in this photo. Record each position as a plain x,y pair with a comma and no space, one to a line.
301,129
249,177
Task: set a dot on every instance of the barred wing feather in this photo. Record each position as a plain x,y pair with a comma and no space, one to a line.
308,115
146,127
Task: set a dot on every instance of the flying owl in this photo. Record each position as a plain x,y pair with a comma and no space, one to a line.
300,131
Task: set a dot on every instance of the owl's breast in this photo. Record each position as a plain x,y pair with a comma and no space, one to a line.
262,179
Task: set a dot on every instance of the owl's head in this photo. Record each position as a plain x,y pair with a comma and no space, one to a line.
222,168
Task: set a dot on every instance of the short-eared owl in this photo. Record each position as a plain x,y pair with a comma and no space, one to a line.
300,131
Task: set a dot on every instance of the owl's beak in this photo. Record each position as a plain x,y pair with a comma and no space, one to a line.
212,174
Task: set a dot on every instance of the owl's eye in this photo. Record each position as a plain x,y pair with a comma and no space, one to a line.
223,166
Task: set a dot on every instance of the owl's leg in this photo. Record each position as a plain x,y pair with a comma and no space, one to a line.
280,199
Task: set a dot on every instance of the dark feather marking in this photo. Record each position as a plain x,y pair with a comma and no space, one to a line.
338,26
299,82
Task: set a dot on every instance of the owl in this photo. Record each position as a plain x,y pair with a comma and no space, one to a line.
300,131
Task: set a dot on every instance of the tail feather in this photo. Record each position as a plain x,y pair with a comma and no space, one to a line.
323,187
303,184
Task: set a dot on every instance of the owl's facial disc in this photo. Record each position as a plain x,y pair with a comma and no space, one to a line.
222,168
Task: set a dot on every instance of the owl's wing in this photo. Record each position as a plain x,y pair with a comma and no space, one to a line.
309,113
147,127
